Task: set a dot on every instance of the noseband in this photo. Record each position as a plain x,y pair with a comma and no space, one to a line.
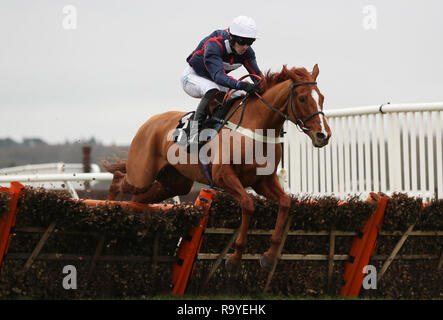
291,106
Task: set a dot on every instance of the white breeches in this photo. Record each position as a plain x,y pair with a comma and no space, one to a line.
196,86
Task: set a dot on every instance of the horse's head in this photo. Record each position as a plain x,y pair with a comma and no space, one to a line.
306,108
296,90
308,103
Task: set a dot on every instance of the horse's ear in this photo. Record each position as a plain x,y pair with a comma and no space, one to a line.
315,71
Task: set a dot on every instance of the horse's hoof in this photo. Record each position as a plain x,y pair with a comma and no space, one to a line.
231,267
266,263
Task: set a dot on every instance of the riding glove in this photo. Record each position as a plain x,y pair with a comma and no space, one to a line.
248,87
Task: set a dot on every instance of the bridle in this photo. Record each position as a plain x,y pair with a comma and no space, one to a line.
300,124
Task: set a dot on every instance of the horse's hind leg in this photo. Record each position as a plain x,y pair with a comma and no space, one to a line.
116,185
169,183
120,184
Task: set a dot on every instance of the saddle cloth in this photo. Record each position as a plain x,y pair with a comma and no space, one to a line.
182,132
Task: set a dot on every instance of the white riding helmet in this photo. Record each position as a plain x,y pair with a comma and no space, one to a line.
243,26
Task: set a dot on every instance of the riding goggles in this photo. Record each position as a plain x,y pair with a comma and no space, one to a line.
242,41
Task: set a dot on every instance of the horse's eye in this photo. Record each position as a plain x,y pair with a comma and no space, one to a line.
302,99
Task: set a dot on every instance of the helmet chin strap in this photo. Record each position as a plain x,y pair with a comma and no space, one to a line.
232,43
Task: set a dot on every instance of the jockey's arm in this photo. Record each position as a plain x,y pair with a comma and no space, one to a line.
214,65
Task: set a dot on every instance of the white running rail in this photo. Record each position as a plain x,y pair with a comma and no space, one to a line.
69,174
57,177
388,148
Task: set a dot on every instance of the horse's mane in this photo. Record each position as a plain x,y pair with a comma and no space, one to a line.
272,78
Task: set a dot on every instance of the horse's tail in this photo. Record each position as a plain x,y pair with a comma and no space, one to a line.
119,165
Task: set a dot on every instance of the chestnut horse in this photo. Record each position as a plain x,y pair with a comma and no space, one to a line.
291,94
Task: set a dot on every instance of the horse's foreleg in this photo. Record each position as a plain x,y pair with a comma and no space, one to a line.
270,188
227,179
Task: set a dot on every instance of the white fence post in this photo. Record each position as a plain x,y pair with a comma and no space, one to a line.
394,153
439,153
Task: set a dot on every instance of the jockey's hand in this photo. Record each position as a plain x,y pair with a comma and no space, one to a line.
249,87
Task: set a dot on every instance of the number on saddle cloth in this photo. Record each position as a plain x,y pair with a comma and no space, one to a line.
183,129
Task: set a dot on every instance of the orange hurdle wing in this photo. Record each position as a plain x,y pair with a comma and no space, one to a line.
363,247
8,218
190,246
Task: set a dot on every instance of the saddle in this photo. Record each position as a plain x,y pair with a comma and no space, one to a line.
216,115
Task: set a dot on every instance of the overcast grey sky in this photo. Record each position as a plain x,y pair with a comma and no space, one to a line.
123,62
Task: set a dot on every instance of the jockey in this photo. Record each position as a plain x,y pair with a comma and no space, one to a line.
217,55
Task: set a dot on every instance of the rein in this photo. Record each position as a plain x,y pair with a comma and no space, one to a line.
301,124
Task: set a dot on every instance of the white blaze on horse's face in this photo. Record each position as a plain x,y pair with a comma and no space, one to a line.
316,98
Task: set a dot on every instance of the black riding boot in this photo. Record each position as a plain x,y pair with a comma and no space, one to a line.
200,115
